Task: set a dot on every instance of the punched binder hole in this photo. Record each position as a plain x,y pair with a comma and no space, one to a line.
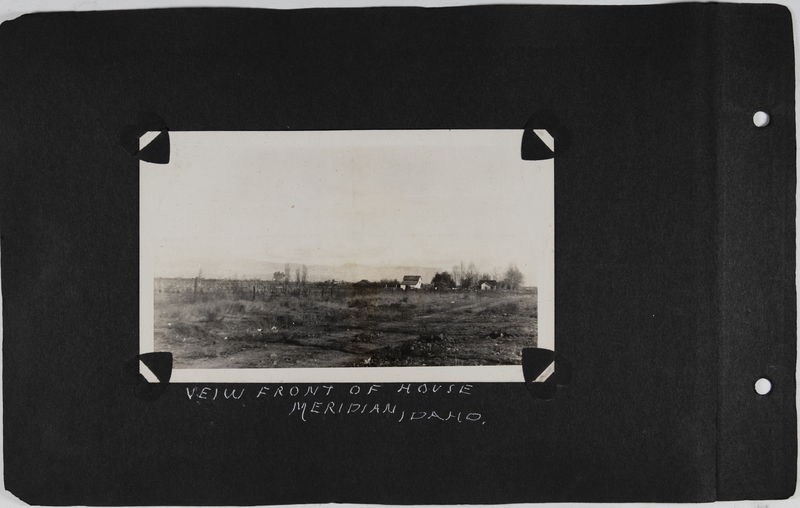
761,119
763,386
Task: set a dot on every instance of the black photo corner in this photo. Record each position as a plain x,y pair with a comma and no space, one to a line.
671,130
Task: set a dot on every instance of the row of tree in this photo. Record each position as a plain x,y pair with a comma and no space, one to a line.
285,277
462,276
469,277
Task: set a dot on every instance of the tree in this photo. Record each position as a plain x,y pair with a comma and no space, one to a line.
467,281
297,276
460,273
304,275
278,276
497,274
469,278
443,279
513,277
456,275
199,272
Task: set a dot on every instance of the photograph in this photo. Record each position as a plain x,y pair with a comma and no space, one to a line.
346,249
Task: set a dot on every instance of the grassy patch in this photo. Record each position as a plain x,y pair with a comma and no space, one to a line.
317,329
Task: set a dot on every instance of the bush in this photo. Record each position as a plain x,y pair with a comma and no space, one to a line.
357,303
213,314
511,308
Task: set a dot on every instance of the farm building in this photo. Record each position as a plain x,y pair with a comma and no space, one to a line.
411,282
363,288
488,284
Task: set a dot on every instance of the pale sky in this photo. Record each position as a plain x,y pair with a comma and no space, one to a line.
413,198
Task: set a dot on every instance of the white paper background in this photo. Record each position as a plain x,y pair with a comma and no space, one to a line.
225,188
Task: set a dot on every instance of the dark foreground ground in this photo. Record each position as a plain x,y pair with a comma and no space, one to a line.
383,328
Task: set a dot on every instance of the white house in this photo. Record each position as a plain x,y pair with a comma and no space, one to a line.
411,282
488,285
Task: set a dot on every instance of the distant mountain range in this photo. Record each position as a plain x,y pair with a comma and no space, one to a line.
264,270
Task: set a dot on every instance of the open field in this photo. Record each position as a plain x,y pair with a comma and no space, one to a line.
240,324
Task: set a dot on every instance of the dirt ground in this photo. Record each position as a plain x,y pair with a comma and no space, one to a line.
383,328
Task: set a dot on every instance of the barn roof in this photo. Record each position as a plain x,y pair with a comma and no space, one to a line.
411,278
487,281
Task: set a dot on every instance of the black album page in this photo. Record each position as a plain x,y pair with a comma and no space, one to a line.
464,255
